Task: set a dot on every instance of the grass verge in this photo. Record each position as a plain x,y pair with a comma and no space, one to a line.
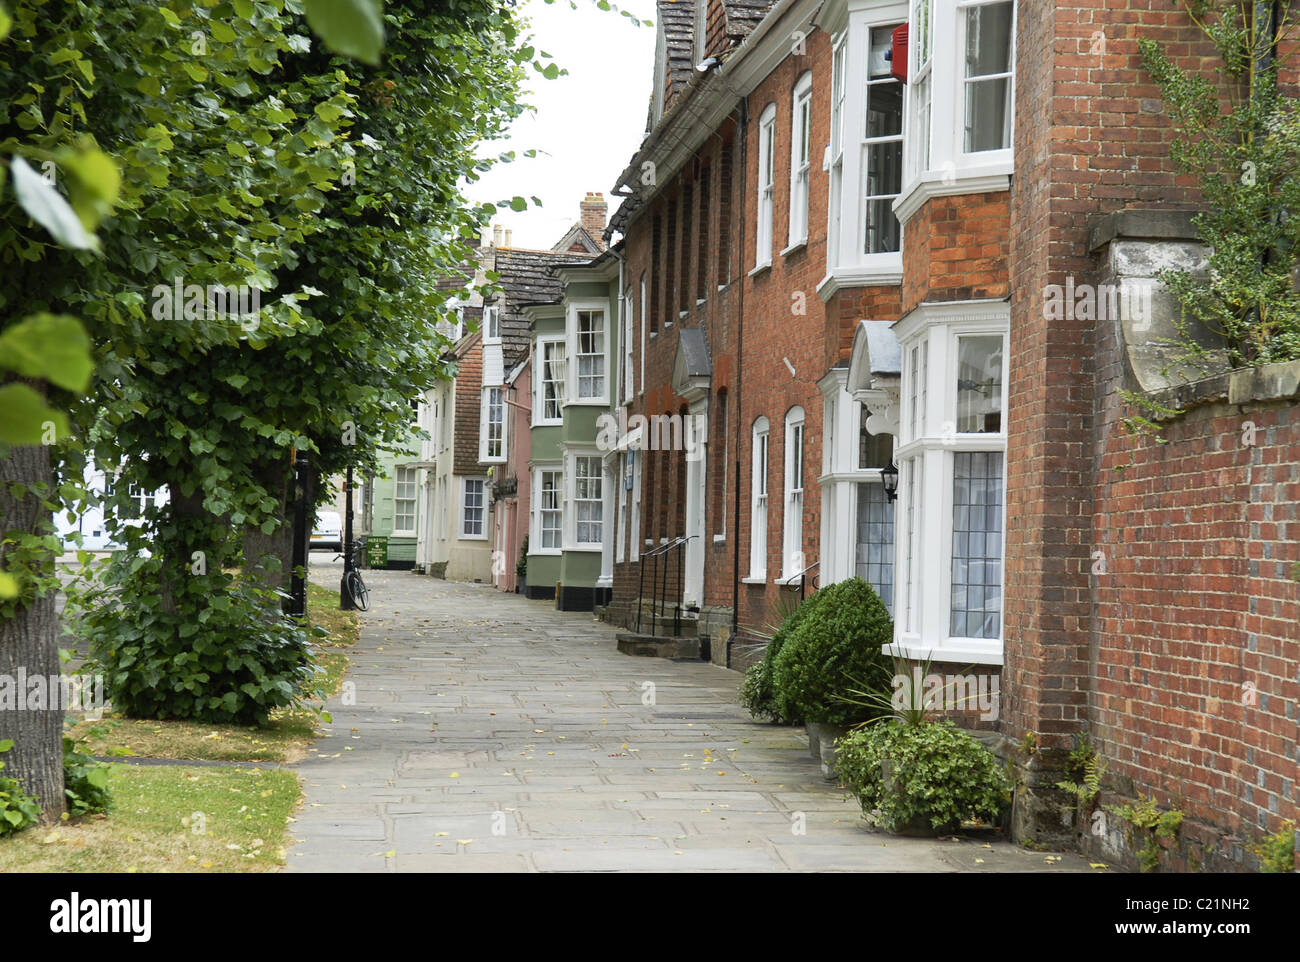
285,739
170,819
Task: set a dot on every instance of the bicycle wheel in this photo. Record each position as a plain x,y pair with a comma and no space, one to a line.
358,591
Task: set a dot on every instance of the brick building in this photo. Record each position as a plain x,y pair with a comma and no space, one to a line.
840,234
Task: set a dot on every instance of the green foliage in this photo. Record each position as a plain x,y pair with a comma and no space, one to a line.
1146,818
1277,851
899,695
521,566
1240,139
227,657
839,638
1085,769
758,689
18,810
929,774
85,782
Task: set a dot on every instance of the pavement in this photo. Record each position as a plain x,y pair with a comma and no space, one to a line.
482,732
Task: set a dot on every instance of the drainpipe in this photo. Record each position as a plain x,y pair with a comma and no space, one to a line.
743,110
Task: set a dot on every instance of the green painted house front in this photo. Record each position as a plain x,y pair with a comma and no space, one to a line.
391,505
575,350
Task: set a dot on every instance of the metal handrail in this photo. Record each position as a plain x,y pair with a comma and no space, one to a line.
658,604
802,576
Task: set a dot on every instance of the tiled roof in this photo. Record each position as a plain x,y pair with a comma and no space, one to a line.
677,17
743,16
527,277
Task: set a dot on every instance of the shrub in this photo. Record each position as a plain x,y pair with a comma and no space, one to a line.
757,691
928,774
18,810
840,637
234,662
85,782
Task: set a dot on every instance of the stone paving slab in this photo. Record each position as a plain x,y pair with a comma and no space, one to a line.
494,734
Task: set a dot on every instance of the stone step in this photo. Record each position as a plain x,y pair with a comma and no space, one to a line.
650,646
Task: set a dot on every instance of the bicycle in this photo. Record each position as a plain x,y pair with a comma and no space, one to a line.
353,583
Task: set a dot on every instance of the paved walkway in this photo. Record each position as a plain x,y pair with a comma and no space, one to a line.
491,733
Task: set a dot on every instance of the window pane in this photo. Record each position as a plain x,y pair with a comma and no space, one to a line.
875,541
977,545
884,109
988,39
988,95
874,450
979,384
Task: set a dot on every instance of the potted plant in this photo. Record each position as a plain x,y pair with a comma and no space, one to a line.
841,635
921,778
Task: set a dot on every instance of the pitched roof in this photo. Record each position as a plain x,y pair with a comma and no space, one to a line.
527,277
582,237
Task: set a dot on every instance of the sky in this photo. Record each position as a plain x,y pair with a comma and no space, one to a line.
587,124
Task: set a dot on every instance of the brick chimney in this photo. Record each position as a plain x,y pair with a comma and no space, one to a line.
593,209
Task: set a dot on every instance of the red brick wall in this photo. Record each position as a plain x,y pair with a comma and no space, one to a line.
955,249
469,398
1196,591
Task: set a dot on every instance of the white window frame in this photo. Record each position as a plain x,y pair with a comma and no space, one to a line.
485,426
760,461
949,168
465,534
641,317
536,541
622,498
414,500
634,547
925,454
766,193
792,558
571,333
540,417
800,160
571,542
626,388
491,324
847,263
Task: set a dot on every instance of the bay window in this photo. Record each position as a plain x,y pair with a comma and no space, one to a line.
492,425
961,99
588,346
587,500
865,156
951,455
987,82
549,511
549,380
800,158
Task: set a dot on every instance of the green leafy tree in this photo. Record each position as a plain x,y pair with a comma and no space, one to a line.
1240,138
55,187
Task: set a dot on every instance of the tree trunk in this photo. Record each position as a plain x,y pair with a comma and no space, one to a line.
279,478
29,650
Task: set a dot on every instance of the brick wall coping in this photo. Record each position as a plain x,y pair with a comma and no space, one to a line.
1279,381
1141,224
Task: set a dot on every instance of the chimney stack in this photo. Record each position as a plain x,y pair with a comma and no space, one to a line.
593,210
497,234
510,238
